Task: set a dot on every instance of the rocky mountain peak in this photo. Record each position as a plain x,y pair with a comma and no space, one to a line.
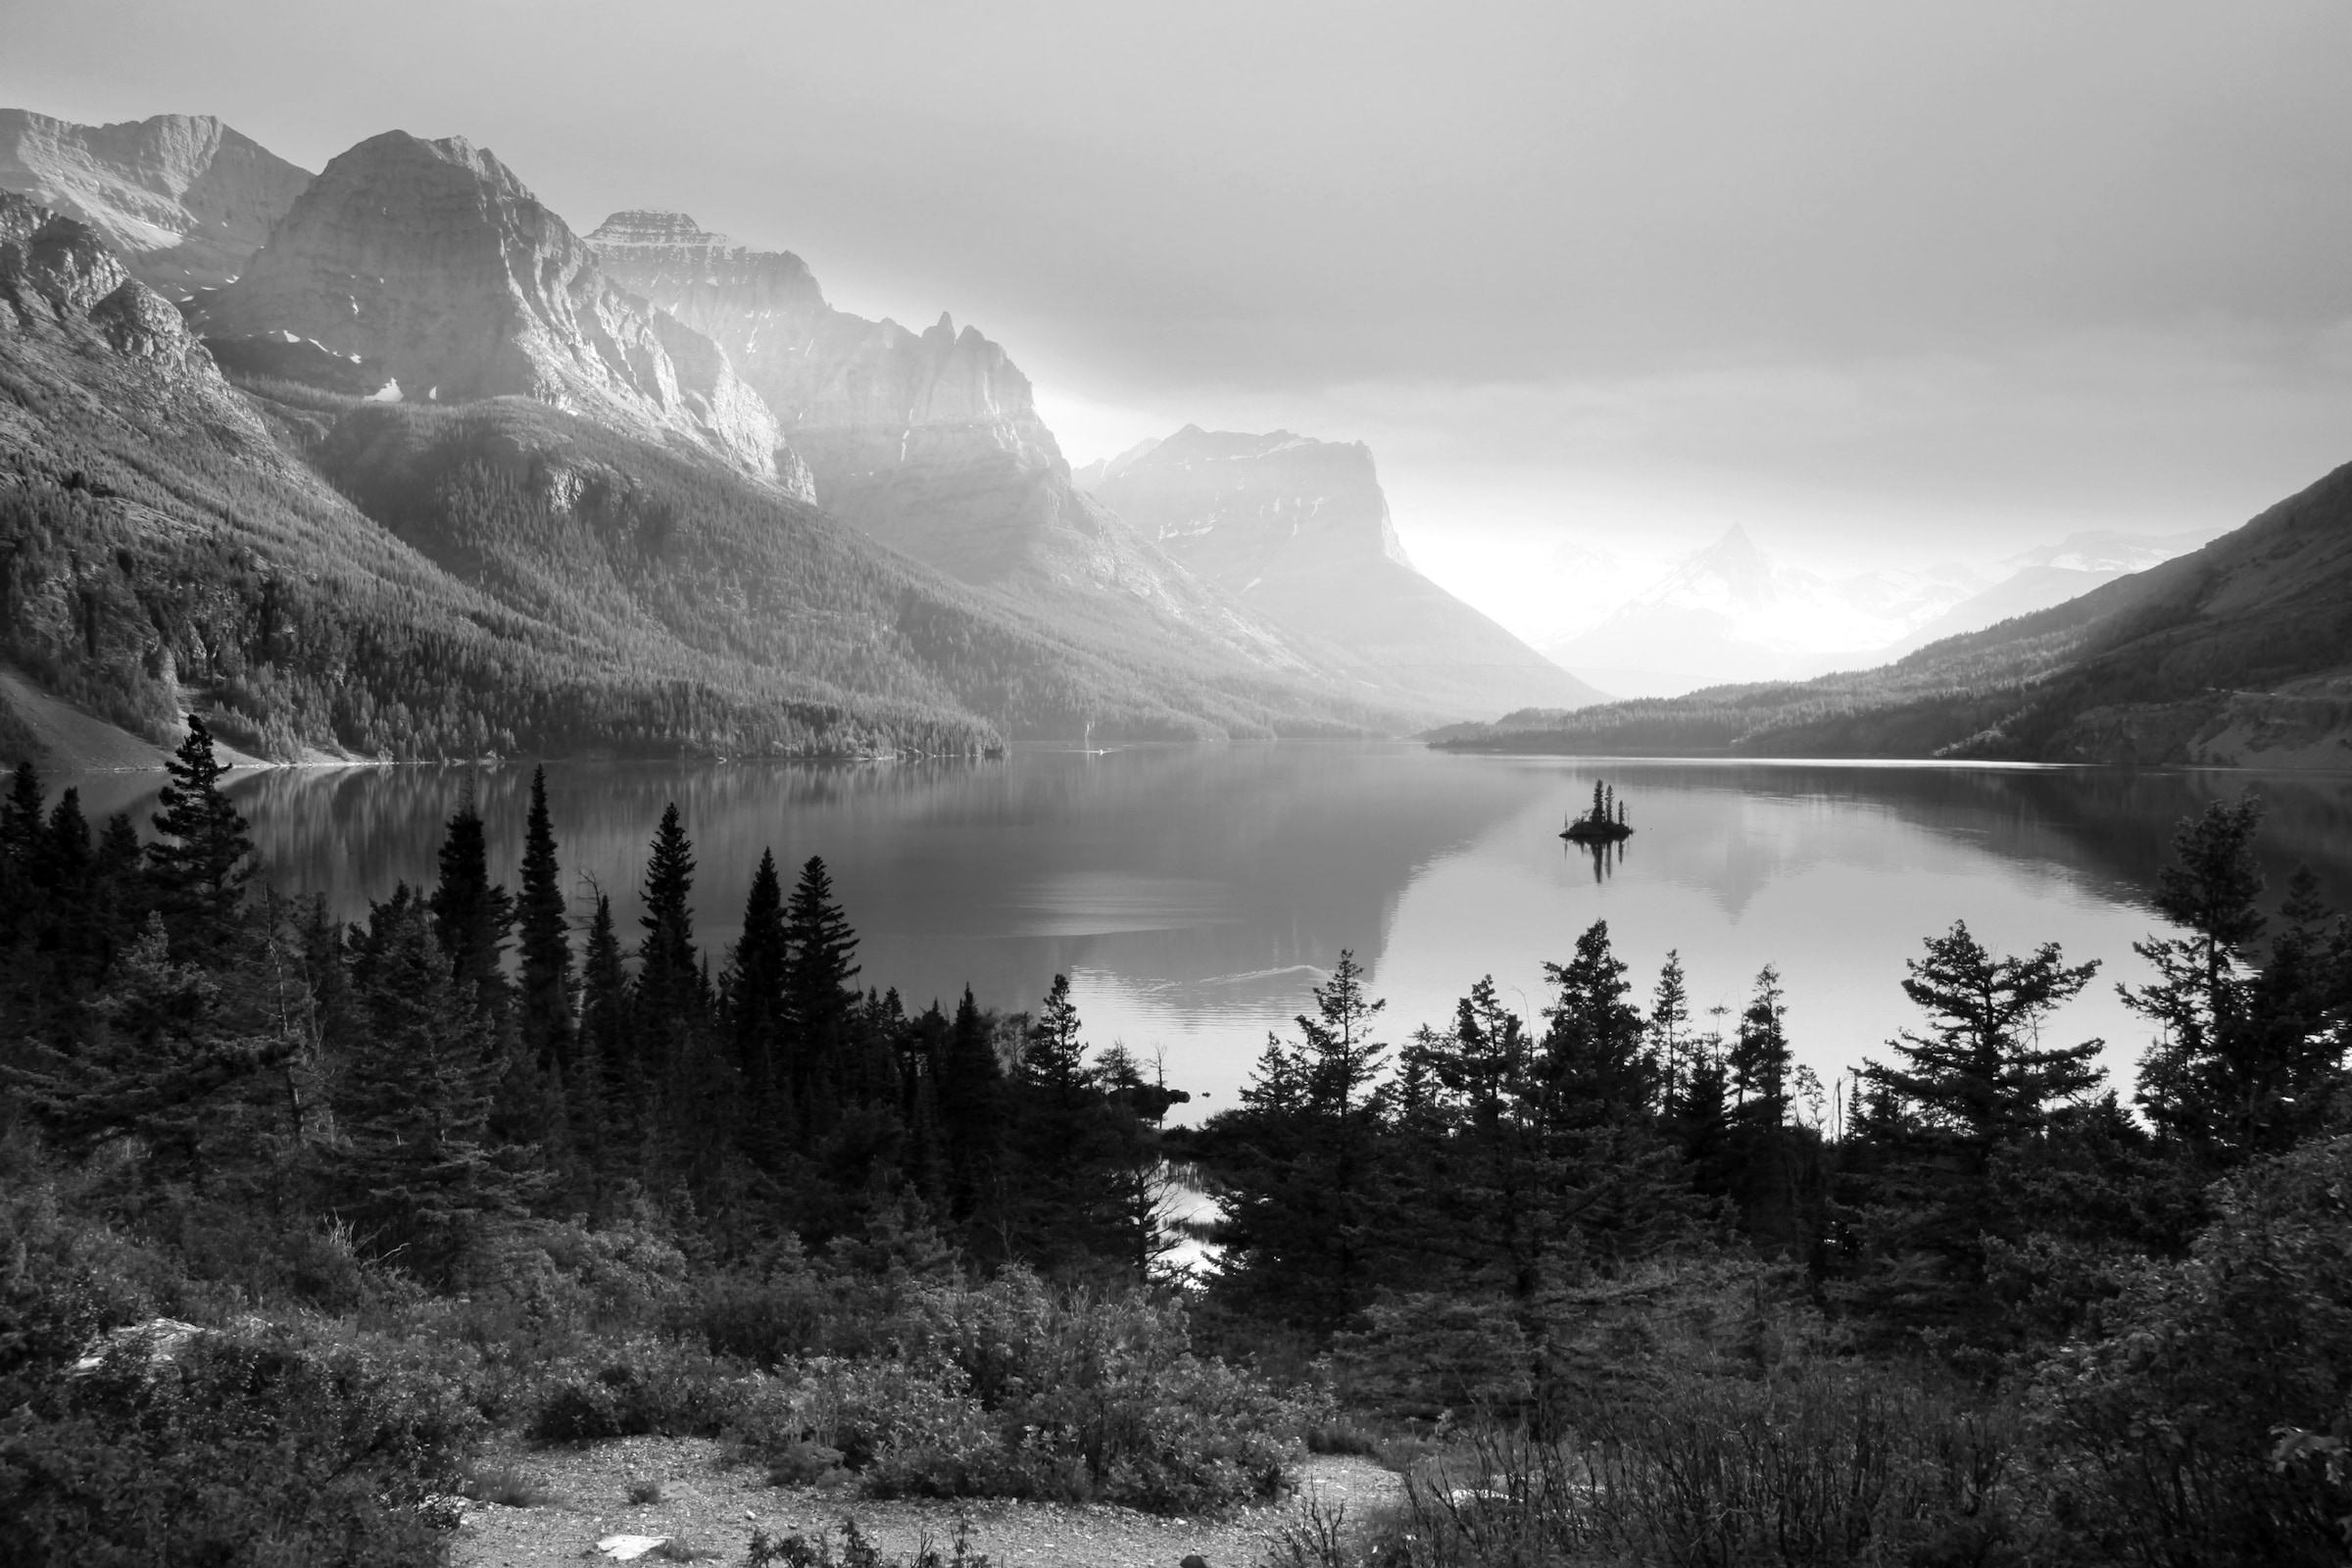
929,439
1299,530
654,225
59,277
1242,498
426,270
184,200
701,277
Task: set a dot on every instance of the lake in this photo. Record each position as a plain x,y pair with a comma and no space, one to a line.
1194,895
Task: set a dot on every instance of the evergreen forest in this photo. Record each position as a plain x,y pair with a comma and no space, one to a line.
297,1216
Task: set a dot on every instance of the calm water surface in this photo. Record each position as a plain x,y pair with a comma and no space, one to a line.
1195,895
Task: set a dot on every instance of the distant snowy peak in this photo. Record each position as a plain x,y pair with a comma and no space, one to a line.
2051,575
1799,612
1730,574
1730,613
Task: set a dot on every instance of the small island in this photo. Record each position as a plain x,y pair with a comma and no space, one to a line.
1603,823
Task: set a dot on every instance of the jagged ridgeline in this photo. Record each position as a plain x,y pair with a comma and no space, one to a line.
463,489
158,548
540,551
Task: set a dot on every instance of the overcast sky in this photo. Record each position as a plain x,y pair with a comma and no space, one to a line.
1883,282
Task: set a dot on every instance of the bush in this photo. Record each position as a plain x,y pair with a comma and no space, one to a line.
269,1452
650,1386
2209,1425
1011,1389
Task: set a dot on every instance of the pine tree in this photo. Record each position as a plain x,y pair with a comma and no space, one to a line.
1054,1053
21,815
123,890
2281,1082
1593,1067
1611,1168
1699,1117
65,874
1976,1086
613,1087
1145,1187
1760,1056
1979,1074
754,986
200,861
922,1046
824,1075
669,992
1669,1028
2244,1051
1770,1159
1297,1170
159,1060
1061,1126
471,915
415,1174
972,1112
544,935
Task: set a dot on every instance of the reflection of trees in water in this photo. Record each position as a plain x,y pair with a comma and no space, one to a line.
951,870
1606,856
2109,826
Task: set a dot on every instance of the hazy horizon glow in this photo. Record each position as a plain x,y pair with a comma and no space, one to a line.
1884,285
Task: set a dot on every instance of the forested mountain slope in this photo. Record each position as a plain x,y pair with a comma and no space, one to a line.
159,551
538,583
586,527
2237,654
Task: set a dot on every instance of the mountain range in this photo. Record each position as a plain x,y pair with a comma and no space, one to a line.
1732,612
391,462
644,460
182,201
2237,654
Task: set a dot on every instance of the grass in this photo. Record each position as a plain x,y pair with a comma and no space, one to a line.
508,1486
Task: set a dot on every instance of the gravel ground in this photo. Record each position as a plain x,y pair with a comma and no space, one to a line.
715,1510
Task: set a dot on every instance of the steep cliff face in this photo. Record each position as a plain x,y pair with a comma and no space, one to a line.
59,282
1299,530
930,441
425,270
182,199
1234,505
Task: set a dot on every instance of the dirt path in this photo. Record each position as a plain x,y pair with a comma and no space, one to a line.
715,1509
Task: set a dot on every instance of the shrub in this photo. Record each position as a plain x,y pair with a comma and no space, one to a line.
507,1485
650,1386
2210,1423
766,1320
267,1452
1009,1388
